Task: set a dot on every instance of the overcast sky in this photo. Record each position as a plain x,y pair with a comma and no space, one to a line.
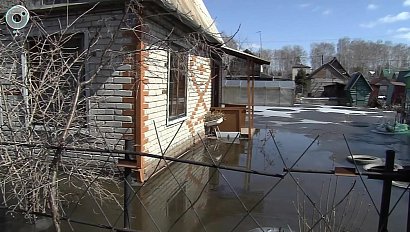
297,22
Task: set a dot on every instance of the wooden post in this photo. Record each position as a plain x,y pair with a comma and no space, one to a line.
408,215
248,93
386,194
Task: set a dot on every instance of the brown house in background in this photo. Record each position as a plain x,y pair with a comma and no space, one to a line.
329,80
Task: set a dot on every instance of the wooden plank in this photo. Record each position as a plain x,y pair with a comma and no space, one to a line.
244,131
122,163
345,171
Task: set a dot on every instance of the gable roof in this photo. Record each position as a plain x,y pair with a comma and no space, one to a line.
335,66
354,78
401,77
379,81
387,73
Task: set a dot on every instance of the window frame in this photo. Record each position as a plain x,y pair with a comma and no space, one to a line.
172,119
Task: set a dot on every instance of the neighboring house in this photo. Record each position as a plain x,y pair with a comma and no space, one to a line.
297,67
379,86
404,77
407,99
390,91
161,75
388,73
396,91
379,93
331,75
358,90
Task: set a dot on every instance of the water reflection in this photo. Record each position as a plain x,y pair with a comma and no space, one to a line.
191,198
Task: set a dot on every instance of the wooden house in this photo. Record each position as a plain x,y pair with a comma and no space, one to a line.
358,90
297,67
331,75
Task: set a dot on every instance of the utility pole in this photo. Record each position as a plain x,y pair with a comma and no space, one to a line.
260,43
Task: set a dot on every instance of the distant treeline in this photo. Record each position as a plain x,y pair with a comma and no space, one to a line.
354,55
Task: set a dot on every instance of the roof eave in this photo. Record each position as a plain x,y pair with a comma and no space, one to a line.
186,20
243,55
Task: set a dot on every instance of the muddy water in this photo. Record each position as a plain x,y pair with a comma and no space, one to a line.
222,199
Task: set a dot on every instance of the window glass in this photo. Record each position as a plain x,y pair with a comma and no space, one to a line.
177,85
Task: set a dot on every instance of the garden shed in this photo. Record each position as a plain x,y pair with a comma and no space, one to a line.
358,90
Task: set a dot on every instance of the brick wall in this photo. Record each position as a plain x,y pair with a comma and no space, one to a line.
109,100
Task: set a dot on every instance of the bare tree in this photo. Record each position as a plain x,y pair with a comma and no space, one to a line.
321,53
286,57
364,56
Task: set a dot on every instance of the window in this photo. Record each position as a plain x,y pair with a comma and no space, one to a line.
55,70
177,85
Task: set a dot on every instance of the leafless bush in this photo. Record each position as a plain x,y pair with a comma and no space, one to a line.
46,87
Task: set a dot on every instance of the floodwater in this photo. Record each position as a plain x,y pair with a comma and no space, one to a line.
191,198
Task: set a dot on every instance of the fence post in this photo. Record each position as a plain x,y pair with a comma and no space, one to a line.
127,186
386,194
408,215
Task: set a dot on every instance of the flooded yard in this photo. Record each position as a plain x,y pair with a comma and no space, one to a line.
187,197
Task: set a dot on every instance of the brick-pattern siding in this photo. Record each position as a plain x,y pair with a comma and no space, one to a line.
130,93
110,95
199,100
162,192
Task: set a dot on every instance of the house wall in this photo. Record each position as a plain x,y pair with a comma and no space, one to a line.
181,134
109,94
178,135
321,79
128,91
359,93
